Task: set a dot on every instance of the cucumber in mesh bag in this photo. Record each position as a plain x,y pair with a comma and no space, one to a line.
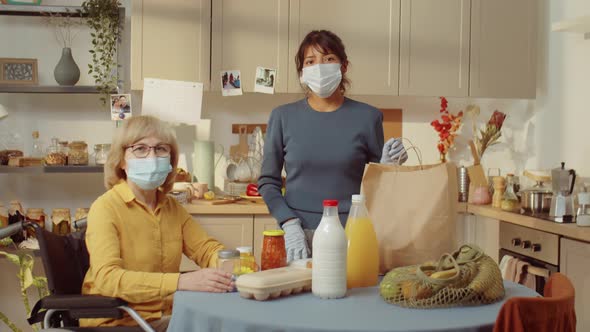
467,277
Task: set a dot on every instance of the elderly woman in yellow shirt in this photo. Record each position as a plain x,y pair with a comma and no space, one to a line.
136,233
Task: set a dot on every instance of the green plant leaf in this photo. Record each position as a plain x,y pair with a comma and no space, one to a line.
14,259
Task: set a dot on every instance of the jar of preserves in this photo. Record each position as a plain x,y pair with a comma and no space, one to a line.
55,156
78,153
274,254
101,153
229,261
36,215
247,260
61,221
3,215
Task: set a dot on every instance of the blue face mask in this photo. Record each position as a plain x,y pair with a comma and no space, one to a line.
148,173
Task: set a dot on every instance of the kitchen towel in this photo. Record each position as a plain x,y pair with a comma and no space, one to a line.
510,274
413,210
504,265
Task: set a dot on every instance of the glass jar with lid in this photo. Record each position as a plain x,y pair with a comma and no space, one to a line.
78,153
274,254
36,215
101,153
61,221
228,260
247,260
55,155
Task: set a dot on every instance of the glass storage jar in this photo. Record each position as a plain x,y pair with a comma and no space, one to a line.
101,152
55,156
61,221
247,260
274,254
229,261
78,153
36,215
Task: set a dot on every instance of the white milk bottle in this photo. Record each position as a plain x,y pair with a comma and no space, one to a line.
328,274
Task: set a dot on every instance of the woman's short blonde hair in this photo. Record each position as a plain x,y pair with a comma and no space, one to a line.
133,130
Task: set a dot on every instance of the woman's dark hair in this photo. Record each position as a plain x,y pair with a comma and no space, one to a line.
325,42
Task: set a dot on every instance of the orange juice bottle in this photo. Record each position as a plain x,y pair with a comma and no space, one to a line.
362,264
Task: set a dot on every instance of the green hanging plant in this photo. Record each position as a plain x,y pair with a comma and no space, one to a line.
102,16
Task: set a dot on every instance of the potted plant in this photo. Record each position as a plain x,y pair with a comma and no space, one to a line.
447,128
102,16
26,279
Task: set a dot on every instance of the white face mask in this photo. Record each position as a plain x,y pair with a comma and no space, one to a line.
323,79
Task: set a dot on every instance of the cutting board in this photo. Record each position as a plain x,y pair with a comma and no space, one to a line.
241,149
392,122
214,201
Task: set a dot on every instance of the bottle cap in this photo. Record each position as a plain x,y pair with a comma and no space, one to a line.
358,198
227,253
245,250
330,202
273,232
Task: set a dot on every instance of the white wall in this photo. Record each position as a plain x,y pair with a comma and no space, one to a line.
562,108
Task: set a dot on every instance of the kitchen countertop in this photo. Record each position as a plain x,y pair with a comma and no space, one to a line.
571,231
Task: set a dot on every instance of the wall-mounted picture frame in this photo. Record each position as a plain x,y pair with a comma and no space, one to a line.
18,71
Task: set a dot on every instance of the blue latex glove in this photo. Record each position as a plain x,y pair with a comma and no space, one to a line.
394,152
295,242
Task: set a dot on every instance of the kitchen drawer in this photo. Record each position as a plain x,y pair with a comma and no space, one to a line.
512,236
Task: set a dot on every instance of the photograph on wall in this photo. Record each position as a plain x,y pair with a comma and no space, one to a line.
265,80
231,83
18,71
120,107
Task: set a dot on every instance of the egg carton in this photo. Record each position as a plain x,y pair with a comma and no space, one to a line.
271,284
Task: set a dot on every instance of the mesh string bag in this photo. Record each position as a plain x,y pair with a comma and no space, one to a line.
466,277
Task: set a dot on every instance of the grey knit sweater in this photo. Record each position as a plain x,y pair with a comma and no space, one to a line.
324,154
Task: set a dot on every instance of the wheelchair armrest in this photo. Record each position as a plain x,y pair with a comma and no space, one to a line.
67,302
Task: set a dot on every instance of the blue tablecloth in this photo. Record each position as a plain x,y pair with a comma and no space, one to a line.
362,310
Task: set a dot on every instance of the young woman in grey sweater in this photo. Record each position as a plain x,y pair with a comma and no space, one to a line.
323,141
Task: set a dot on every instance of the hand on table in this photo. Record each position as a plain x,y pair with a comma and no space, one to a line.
206,280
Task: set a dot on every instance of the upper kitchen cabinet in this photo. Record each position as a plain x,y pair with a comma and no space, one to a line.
434,48
503,48
369,31
170,40
248,34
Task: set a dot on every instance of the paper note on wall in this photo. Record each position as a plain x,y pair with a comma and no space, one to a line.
172,101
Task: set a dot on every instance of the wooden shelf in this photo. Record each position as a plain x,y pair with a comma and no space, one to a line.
76,89
29,10
577,25
51,169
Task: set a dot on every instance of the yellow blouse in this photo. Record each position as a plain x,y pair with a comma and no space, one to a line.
135,253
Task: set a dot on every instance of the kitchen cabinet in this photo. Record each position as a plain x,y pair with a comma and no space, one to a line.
574,262
247,34
372,48
262,223
503,56
434,48
231,230
170,40
481,231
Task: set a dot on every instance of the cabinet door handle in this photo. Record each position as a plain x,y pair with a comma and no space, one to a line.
536,247
525,244
516,242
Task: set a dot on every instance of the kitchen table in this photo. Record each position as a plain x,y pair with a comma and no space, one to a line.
362,310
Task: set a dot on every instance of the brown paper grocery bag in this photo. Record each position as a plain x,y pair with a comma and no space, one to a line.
414,211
